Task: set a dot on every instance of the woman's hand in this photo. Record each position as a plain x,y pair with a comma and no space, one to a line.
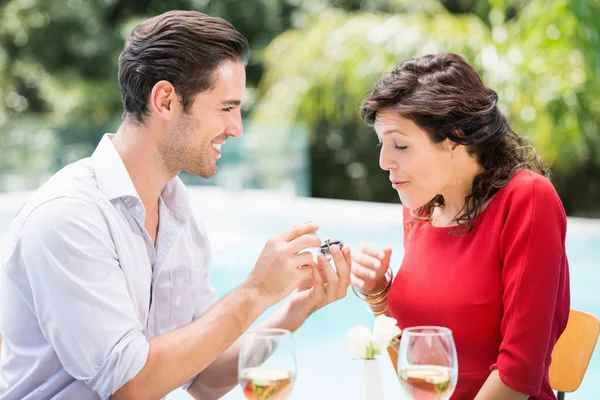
369,266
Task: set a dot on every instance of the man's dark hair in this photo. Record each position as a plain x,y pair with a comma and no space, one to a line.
182,47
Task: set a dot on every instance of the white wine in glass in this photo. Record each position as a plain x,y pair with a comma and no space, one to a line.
427,363
267,364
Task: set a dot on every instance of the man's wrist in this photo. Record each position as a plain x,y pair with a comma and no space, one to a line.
256,295
295,314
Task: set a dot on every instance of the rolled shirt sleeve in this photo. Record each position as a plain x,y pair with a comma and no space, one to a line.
70,273
208,295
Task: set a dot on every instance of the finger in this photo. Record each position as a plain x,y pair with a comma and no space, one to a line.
303,275
347,255
320,268
300,259
367,261
364,273
387,256
318,285
357,282
299,230
331,276
342,268
323,276
371,250
305,284
348,258
304,242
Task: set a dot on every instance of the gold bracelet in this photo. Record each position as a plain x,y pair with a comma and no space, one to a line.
377,303
379,312
377,300
368,297
377,308
384,290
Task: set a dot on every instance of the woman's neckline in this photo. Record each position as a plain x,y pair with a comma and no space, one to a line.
482,213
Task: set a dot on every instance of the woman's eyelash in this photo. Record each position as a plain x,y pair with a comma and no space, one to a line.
397,147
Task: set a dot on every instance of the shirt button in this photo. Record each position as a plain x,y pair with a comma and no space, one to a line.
138,209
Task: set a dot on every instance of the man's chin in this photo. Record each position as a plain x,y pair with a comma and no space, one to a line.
204,172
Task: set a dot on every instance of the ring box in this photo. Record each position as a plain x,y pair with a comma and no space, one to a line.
326,247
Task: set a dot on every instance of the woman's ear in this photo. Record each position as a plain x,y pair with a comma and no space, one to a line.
448,146
454,145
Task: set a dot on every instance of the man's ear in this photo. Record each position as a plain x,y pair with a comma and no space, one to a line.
164,100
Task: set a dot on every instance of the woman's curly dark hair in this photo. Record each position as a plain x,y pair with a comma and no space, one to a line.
444,96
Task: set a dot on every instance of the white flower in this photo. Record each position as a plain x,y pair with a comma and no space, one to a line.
359,339
385,331
366,344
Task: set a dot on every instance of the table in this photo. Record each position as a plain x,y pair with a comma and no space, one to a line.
338,376
332,374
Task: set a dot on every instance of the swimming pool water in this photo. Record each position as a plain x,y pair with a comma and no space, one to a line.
241,225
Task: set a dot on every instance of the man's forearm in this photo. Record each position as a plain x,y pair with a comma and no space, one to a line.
222,375
179,355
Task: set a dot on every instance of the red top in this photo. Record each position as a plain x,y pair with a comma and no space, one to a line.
503,288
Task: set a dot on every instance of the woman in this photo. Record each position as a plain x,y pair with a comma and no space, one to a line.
484,229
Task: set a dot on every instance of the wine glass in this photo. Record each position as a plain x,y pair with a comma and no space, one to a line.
427,363
267,364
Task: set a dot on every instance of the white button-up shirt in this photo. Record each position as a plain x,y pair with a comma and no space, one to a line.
83,288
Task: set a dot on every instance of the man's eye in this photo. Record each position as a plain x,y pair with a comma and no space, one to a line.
228,109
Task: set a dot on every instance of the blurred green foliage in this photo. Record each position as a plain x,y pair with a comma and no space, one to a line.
312,62
542,57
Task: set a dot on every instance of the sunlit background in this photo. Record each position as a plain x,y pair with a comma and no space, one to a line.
311,64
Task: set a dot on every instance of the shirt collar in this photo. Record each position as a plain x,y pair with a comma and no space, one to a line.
176,196
114,181
113,178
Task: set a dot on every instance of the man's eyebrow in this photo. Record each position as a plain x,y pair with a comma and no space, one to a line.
231,102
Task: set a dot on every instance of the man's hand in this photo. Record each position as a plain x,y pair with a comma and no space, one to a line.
279,270
317,285
327,285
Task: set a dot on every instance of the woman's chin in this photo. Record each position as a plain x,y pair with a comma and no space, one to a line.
410,202
406,202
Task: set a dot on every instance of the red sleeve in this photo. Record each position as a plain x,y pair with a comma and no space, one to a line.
535,278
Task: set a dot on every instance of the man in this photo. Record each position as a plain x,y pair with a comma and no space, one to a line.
105,287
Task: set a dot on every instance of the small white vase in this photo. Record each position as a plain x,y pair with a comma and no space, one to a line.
372,383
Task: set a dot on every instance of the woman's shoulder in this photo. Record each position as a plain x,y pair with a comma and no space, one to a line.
528,188
526,183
